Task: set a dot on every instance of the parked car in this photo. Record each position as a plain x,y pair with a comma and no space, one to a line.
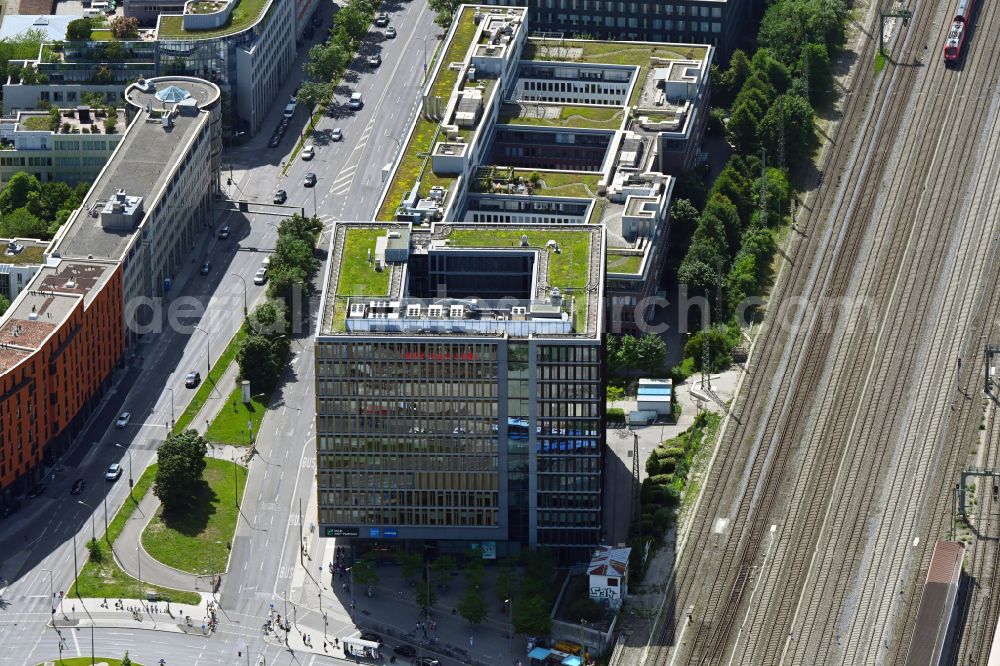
114,472
275,141
405,651
206,268
36,490
308,152
426,661
355,102
280,197
390,32
310,179
122,420
11,507
382,20
192,379
374,60
337,134
224,232
260,277
78,487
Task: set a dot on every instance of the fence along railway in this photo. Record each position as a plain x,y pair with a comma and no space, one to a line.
840,431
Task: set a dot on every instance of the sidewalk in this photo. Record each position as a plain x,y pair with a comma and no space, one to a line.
75,613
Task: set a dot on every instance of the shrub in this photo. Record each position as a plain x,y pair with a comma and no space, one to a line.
616,415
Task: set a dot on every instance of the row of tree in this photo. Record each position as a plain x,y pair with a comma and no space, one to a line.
627,353
262,353
327,61
771,98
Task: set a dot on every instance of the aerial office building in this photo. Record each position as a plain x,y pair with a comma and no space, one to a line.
459,363
721,23
69,326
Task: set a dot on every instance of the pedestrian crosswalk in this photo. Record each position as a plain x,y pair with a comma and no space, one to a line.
345,180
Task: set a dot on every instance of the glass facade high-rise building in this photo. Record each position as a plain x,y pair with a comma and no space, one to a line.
474,424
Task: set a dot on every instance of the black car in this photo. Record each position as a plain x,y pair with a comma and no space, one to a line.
224,232
280,197
36,490
206,268
192,379
405,651
382,20
371,636
78,487
274,142
11,507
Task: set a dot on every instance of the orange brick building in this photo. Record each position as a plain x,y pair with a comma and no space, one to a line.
59,343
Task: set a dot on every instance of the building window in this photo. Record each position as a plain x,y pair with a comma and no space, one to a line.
716,27
716,12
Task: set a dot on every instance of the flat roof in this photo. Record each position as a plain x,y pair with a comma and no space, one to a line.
141,165
53,25
31,254
575,269
245,14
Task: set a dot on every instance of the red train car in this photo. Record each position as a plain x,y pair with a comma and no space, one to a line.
956,34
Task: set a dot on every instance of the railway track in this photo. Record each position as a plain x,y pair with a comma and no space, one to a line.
801,450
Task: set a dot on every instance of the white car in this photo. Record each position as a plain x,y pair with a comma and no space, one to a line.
260,277
337,134
308,152
122,420
355,102
114,472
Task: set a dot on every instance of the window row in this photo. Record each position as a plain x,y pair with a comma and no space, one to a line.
410,517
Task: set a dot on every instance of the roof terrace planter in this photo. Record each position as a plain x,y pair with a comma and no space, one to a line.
203,22
207,14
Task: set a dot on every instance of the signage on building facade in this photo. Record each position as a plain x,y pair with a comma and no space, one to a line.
341,531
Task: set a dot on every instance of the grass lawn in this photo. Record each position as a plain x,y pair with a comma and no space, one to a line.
244,14
101,36
457,48
357,277
563,183
624,263
598,117
198,541
567,270
230,426
37,123
85,661
409,169
208,384
105,579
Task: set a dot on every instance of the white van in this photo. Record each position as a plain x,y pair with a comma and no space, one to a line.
290,109
99,5
92,13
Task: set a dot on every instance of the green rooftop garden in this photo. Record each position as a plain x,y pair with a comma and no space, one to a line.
599,117
245,14
358,277
30,255
623,263
37,123
569,269
457,48
612,53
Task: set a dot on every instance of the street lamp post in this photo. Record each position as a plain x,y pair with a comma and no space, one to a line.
208,350
245,311
399,144
510,626
169,388
93,523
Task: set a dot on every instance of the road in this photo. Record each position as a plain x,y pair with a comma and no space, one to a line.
834,477
39,537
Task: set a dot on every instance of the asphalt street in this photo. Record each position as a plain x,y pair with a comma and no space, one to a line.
39,539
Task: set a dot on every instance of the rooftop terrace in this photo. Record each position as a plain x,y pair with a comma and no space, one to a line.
31,252
244,15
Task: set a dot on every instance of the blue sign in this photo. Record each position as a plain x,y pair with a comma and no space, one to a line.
167,283
390,533
374,532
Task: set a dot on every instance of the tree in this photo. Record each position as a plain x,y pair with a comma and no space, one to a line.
181,462
426,596
741,282
326,61
787,23
364,573
741,131
615,393
312,93
124,27
296,255
539,569
4,304
114,51
652,351
79,30
794,114
720,348
691,186
269,319
303,228
683,218
441,569
258,362
125,660
771,69
732,185
816,58
410,564
22,224
700,279
530,616
472,606
15,194
722,209
445,10
354,20
778,195
475,573
626,354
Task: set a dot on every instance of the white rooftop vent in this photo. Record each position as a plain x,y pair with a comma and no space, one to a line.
413,310
524,240
554,245
70,284
357,310
435,311
393,234
556,296
456,312
33,316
